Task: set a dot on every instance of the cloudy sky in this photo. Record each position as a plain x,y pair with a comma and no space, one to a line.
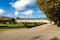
20,8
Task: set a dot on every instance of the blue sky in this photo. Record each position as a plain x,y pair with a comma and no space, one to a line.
20,8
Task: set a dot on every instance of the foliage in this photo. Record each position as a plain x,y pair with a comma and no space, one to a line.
18,18
5,20
51,8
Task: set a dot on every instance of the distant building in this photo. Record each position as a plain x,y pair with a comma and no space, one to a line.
32,20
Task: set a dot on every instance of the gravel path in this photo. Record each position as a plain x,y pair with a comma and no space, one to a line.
44,32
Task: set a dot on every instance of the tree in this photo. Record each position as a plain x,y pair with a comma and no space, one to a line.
51,8
18,18
5,19
13,20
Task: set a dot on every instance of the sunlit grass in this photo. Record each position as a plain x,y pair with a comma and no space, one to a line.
21,25
12,24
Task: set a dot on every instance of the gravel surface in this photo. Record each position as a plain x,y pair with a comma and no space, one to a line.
44,32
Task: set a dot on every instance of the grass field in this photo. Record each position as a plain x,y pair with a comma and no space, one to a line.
20,24
11,25
23,25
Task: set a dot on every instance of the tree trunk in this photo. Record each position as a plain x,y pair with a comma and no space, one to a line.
55,22
58,23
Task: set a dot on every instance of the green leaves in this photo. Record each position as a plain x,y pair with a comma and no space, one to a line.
51,8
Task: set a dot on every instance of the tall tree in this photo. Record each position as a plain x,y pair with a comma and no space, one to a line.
51,8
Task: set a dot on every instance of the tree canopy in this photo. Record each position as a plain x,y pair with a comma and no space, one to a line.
51,8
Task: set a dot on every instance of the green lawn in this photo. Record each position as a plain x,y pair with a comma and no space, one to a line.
12,24
25,25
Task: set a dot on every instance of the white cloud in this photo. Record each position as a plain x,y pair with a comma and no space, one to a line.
2,11
21,4
22,16
4,14
8,15
16,13
28,12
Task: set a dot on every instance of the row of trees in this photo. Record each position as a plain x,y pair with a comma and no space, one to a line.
51,8
7,20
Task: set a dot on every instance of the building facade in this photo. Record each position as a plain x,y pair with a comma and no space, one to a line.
32,20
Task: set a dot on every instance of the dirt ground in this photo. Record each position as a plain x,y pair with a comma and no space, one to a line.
44,32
